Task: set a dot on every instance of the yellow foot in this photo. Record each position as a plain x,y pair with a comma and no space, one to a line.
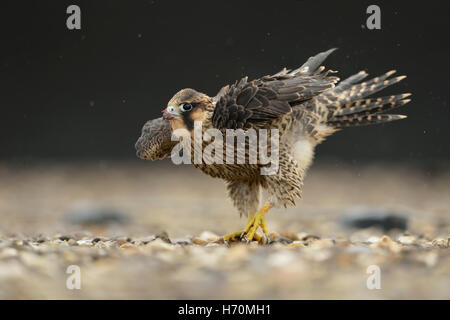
232,237
240,235
249,233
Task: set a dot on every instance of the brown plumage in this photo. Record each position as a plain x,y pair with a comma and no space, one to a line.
305,105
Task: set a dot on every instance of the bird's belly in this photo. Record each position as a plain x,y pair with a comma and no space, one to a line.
303,153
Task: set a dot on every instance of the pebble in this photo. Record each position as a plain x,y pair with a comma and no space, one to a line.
322,244
367,217
407,239
144,240
296,244
8,253
84,242
87,214
281,258
127,245
199,241
161,245
163,236
430,259
386,242
441,243
209,236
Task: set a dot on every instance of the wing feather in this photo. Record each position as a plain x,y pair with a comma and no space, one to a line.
246,103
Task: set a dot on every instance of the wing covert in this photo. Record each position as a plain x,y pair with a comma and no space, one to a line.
246,103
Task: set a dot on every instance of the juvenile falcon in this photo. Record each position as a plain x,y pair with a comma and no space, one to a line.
305,105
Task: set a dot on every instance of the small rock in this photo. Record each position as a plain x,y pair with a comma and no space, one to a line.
183,241
310,237
94,215
238,252
80,235
373,239
8,253
209,236
362,218
121,241
84,242
407,239
144,240
65,238
276,238
317,255
296,244
212,244
322,243
291,235
163,236
199,241
386,242
273,236
441,243
281,258
160,244
430,259
127,245
106,244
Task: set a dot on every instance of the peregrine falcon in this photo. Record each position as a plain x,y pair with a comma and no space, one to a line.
304,105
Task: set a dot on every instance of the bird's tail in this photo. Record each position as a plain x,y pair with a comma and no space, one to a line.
346,105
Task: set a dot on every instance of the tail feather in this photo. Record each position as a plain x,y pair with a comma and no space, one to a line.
371,106
313,63
369,87
311,67
349,91
347,83
347,106
367,120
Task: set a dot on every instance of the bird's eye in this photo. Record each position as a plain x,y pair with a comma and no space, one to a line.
186,107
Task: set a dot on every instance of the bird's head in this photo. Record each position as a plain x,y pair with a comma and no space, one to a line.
186,107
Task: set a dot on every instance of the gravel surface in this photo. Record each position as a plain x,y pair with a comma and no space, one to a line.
138,231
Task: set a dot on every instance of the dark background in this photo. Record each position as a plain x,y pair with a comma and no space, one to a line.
84,94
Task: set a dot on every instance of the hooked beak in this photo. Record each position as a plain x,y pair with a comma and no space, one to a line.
169,113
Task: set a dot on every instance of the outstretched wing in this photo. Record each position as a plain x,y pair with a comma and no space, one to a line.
250,102
155,141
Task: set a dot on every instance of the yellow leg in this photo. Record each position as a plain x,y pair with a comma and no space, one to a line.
258,220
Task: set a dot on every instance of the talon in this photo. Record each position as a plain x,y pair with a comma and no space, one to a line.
226,243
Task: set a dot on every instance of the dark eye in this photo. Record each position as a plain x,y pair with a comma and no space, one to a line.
186,107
